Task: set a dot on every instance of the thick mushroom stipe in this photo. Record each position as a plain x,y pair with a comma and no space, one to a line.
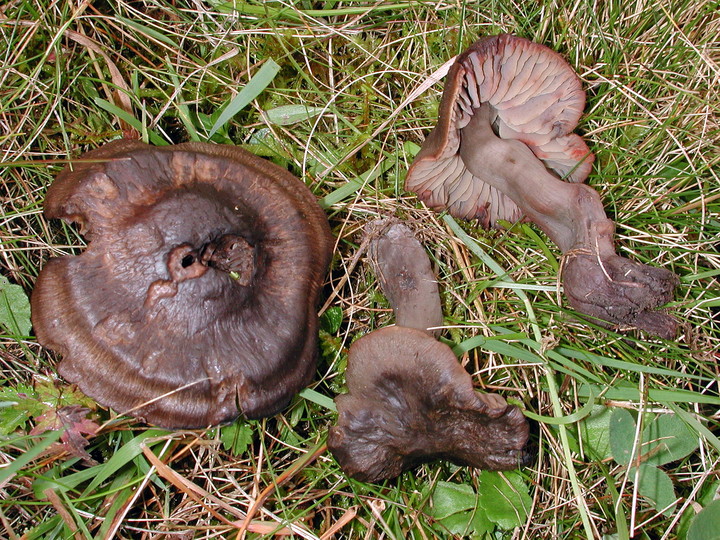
406,277
502,143
410,401
195,300
596,281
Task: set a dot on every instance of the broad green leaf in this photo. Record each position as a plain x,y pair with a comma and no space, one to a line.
332,319
12,417
706,496
252,89
411,148
697,425
656,486
236,437
55,396
17,406
459,523
595,432
455,507
14,308
706,525
668,439
480,524
287,115
504,497
622,435
450,498
468,522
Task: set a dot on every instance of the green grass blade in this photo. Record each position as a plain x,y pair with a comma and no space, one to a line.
318,399
17,464
131,120
129,451
252,89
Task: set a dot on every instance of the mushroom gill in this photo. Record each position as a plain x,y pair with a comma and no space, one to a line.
195,300
534,97
502,143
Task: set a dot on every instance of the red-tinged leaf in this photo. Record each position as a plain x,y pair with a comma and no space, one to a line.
73,422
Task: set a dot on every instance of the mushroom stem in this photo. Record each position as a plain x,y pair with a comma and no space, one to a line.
596,280
568,213
406,275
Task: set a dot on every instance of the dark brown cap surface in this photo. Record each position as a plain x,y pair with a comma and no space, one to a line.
195,299
410,401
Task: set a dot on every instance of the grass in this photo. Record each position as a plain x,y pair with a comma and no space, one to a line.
347,69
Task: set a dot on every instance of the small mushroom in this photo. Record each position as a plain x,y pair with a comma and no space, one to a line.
195,299
502,142
406,277
409,400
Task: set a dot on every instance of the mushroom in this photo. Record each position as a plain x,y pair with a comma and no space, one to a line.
195,299
409,400
501,146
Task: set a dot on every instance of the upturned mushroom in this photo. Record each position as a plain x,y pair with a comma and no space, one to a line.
501,146
195,300
409,400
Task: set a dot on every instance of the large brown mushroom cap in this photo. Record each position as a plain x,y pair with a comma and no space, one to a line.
534,97
410,401
195,299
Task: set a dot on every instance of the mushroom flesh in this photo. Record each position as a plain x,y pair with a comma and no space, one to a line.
502,144
195,300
